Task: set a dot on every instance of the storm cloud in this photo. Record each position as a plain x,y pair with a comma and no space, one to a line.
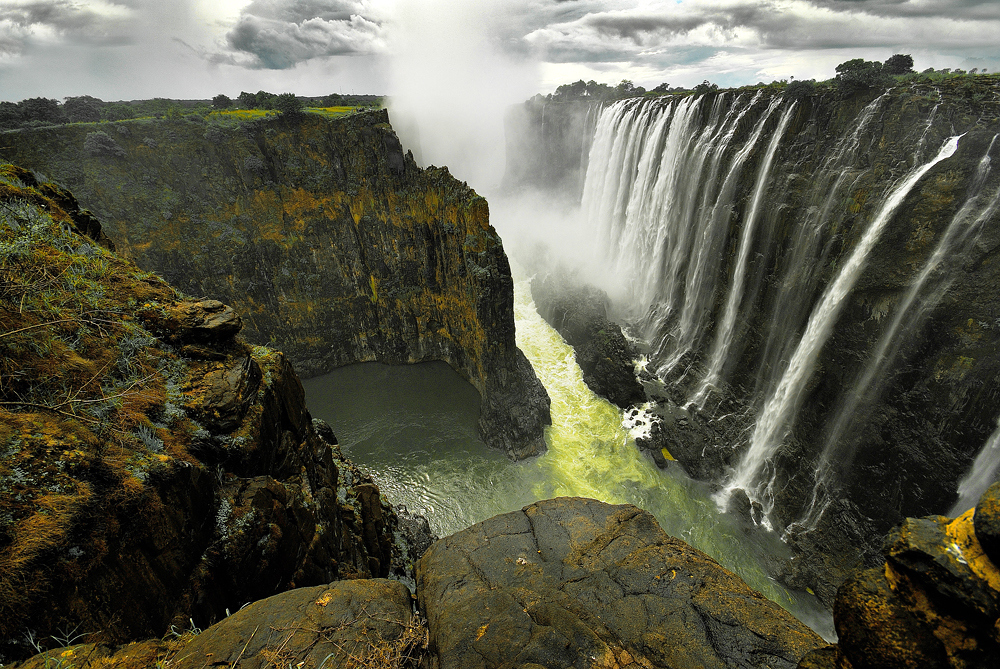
260,42
96,23
278,35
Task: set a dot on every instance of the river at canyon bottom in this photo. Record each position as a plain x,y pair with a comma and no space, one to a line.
413,429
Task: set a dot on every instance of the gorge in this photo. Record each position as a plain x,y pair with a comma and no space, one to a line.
811,284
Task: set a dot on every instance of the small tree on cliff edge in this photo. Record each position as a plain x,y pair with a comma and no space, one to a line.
899,64
859,75
288,105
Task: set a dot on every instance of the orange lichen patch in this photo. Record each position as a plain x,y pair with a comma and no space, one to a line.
44,530
357,209
299,204
952,367
960,531
858,200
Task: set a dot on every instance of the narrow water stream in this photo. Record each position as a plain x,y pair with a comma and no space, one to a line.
413,429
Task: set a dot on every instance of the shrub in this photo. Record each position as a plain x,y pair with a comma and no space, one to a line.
101,144
800,89
899,64
288,105
705,87
859,75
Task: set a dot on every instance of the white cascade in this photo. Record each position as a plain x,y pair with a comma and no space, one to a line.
985,470
915,306
774,421
724,333
800,275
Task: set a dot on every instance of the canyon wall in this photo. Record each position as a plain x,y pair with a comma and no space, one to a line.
327,238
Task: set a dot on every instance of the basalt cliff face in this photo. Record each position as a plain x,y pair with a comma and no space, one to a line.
816,281
323,234
156,469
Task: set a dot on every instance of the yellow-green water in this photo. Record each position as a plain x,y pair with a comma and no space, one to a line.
414,430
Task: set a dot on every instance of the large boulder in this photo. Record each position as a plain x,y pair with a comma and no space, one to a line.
935,602
347,623
574,582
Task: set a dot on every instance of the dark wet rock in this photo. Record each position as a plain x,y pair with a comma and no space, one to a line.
576,582
324,431
579,314
417,531
987,522
677,434
826,555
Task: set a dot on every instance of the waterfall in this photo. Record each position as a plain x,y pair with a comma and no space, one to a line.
985,470
734,229
915,306
724,334
660,194
800,273
775,419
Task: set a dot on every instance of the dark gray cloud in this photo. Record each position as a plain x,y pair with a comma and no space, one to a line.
71,20
629,34
970,10
277,34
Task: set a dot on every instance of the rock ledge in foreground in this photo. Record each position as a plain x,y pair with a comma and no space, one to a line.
577,582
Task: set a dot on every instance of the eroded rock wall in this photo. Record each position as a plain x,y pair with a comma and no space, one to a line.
326,237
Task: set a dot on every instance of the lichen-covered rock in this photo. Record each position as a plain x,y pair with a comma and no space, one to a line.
935,602
328,625
829,657
326,238
147,481
575,582
347,623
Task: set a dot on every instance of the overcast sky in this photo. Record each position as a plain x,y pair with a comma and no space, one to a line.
128,49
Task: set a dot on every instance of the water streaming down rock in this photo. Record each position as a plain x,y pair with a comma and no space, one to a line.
925,293
810,247
773,423
724,335
984,471
833,211
653,195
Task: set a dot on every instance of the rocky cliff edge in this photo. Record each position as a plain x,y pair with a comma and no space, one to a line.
156,471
